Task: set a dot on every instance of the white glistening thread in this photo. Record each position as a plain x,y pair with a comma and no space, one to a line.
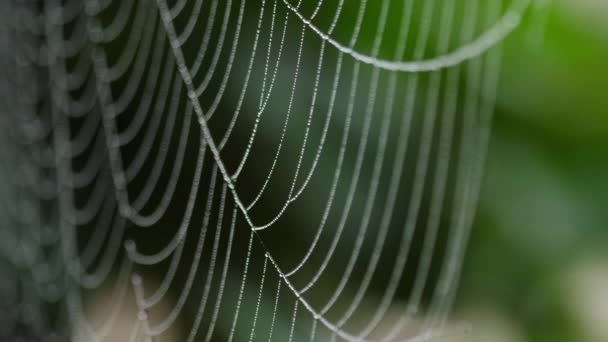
89,95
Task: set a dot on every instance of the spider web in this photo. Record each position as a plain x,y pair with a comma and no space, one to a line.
243,170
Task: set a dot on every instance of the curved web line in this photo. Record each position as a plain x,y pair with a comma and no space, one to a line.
140,67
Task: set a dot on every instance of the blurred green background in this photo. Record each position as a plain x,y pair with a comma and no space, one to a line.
537,267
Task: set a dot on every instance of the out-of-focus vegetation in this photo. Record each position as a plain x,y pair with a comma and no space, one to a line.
538,258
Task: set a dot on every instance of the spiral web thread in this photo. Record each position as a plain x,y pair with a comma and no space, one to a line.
247,170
